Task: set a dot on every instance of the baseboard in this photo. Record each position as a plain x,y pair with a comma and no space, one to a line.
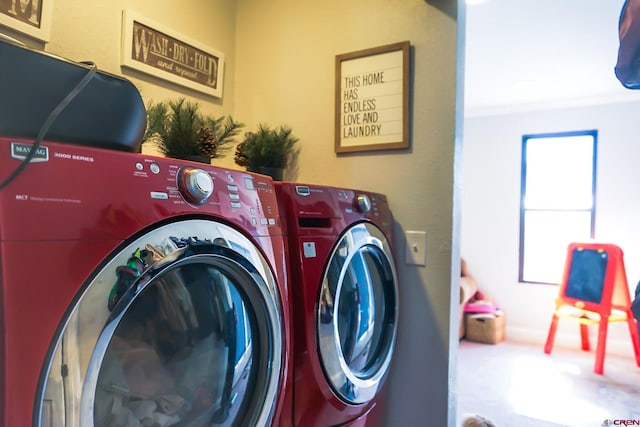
615,346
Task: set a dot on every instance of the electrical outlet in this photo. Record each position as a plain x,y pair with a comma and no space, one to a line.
416,249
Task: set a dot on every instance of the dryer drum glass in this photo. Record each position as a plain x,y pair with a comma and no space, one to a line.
362,326
357,315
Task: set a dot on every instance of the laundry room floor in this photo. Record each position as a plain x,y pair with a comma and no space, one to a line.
515,384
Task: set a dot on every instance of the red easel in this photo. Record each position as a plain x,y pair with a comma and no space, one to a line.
594,291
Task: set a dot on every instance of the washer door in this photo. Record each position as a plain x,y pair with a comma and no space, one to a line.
357,314
196,340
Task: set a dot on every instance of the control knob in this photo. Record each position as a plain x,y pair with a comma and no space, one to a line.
362,203
195,185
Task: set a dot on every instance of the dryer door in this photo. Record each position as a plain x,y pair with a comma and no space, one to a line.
195,340
357,314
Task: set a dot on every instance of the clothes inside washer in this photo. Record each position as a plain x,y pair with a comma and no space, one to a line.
172,360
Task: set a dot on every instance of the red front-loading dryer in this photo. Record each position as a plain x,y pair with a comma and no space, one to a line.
344,297
138,291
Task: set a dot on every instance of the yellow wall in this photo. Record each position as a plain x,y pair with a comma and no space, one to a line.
280,70
92,31
285,74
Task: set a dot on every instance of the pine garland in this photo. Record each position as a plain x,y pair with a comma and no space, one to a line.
182,132
266,148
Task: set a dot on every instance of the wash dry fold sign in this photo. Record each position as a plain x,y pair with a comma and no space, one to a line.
159,51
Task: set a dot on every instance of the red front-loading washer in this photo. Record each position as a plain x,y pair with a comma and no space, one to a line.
344,297
138,291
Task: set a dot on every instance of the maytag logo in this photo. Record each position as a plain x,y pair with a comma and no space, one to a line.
20,151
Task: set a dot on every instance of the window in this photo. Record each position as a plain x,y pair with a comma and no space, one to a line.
557,200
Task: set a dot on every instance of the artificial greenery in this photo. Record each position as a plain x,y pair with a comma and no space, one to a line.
271,148
182,132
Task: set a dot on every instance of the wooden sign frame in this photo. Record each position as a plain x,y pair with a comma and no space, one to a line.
32,17
372,99
156,50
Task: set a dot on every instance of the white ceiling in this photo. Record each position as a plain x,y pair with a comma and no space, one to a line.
537,54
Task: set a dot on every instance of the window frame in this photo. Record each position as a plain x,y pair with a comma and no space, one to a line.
523,187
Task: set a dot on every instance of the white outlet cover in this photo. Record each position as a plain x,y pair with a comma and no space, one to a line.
416,249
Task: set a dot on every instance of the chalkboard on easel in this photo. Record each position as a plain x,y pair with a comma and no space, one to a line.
594,282
587,274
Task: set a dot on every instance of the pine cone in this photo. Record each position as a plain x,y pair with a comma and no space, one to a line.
240,158
207,142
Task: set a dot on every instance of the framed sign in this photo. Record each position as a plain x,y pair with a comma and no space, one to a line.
372,99
154,49
31,17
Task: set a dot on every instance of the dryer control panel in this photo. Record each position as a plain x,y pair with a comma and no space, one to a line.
329,208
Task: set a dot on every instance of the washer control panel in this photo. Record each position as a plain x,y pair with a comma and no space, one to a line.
106,190
195,185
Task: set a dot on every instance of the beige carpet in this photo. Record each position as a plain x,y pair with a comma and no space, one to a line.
517,385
